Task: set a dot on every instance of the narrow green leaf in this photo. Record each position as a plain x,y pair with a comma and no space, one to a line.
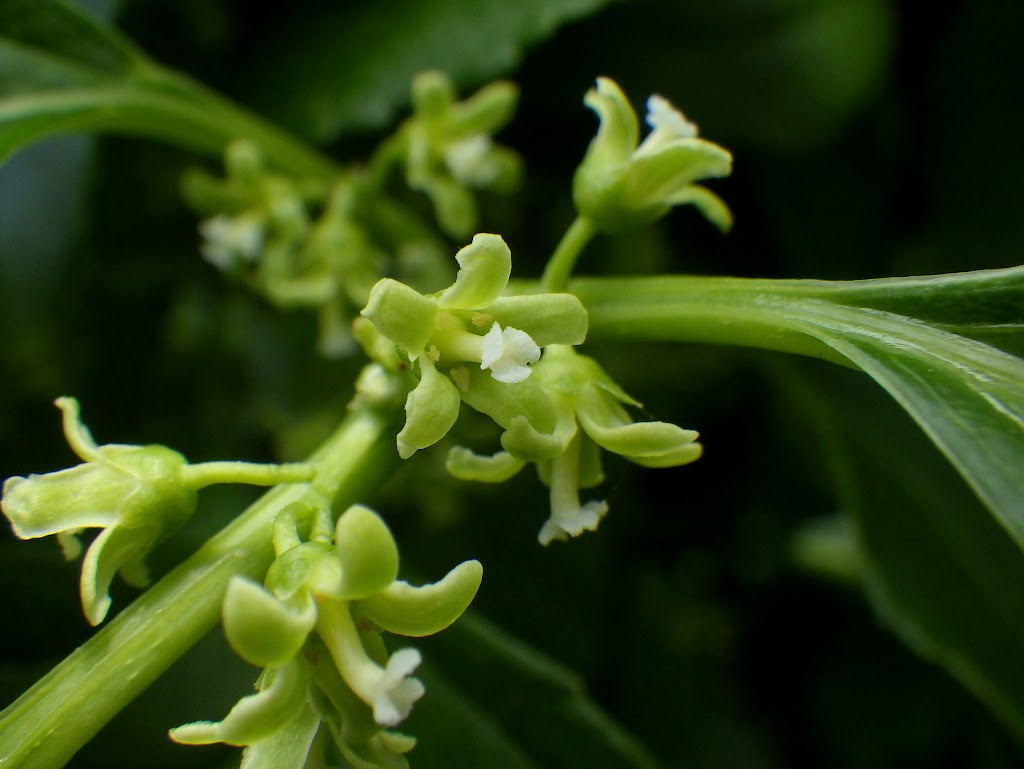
940,572
61,72
335,81
966,395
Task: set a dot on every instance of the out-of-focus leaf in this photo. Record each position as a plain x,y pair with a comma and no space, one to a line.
61,71
350,67
967,396
541,707
939,571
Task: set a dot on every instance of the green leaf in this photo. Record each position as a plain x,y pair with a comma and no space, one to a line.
338,82
939,571
966,395
542,707
62,72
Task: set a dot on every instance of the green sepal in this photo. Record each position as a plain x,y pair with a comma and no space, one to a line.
283,691
262,629
430,411
467,465
402,314
484,269
547,318
433,93
367,552
521,440
115,549
422,611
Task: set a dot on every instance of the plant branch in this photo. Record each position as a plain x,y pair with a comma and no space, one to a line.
62,711
560,265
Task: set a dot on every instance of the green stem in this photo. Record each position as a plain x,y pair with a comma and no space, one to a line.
44,727
208,473
560,265
769,314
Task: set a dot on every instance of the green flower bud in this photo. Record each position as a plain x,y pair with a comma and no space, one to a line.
447,149
620,185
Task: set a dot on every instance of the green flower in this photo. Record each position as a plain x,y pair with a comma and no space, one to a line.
324,594
137,496
468,322
622,184
560,419
447,147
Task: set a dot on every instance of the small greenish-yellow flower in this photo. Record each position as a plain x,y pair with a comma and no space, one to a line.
469,322
560,419
448,149
313,626
623,183
136,495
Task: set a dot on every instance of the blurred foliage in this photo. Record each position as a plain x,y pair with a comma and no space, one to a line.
871,138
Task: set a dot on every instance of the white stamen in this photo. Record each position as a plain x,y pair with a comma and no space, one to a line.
662,116
396,691
508,354
469,163
229,240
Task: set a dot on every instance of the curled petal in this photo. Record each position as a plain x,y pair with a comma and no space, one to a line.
484,269
486,111
257,716
431,409
41,505
402,314
421,611
657,177
653,444
262,629
712,207
115,548
503,402
619,130
523,441
469,466
367,551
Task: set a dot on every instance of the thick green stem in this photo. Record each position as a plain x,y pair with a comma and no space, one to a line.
61,712
769,314
560,265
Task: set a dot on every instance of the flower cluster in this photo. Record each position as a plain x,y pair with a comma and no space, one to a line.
623,183
314,626
557,407
470,321
298,243
447,151
560,420
136,495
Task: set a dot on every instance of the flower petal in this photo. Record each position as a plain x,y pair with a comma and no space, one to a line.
111,549
547,318
431,409
422,611
484,269
41,505
263,630
402,314
469,466
367,551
